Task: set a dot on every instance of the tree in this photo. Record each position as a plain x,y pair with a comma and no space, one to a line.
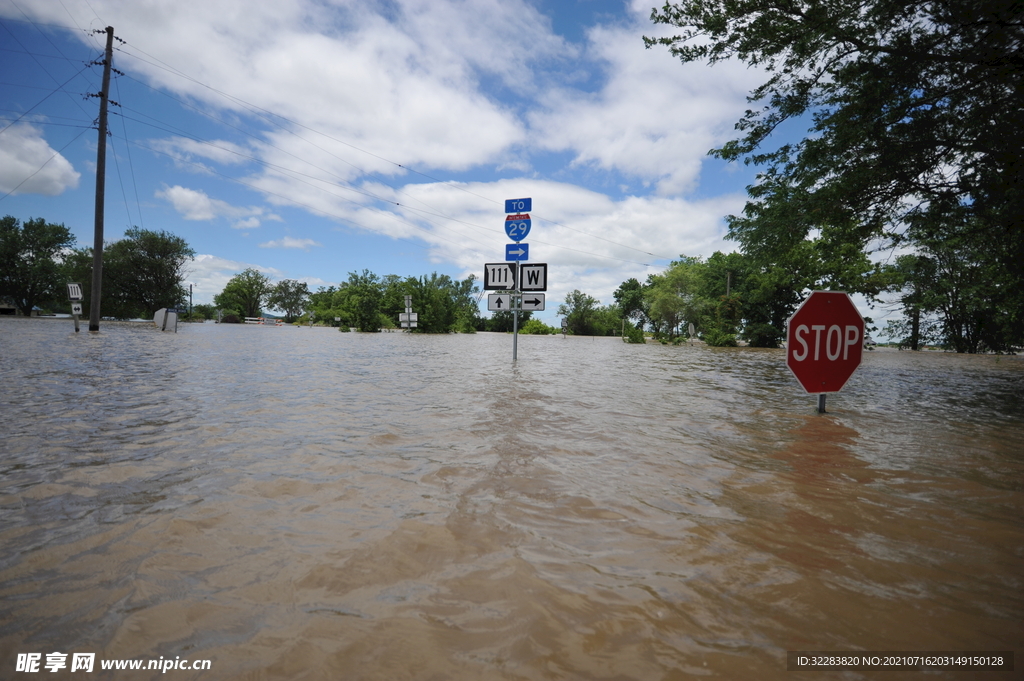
289,296
360,297
579,310
442,304
501,321
632,304
675,295
245,294
143,272
30,271
916,123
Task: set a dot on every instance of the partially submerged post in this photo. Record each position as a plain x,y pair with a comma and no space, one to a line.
75,296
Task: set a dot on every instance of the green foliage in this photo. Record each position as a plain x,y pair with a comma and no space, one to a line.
633,334
143,272
537,327
202,311
30,254
675,296
502,321
632,303
580,312
289,296
245,294
720,339
916,140
369,302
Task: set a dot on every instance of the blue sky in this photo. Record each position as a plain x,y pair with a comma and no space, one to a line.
309,139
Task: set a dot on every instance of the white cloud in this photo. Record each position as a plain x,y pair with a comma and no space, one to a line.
589,240
653,119
194,204
291,242
28,165
209,274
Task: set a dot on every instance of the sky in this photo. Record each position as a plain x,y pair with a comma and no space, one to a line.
310,139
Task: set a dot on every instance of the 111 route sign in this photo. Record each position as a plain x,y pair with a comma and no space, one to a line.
825,341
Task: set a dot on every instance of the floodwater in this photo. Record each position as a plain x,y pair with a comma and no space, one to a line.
307,504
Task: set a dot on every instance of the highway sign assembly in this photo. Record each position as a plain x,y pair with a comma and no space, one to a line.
515,276
499,276
824,342
517,252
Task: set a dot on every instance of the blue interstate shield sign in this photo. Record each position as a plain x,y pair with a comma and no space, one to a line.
517,226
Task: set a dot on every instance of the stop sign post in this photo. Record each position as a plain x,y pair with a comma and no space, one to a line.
825,343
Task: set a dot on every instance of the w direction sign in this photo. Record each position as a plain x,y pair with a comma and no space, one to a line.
534,277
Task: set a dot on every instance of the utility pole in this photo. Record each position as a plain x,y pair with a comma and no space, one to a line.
101,171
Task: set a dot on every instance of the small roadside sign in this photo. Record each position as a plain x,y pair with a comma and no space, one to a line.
499,302
499,276
535,277
532,302
517,252
74,291
76,308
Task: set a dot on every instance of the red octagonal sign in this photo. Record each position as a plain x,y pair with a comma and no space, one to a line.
825,341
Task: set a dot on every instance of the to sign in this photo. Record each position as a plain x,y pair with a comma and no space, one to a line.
825,341
518,205
517,226
499,276
74,291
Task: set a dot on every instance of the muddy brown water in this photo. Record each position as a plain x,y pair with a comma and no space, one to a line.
308,504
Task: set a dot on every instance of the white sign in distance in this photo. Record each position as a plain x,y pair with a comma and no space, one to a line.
499,276
74,291
499,302
408,316
533,302
534,277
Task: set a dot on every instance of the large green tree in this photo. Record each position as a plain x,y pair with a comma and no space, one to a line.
143,272
580,312
30,261
245,294
916,124
289,296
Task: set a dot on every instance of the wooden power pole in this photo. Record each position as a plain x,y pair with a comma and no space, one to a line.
101,171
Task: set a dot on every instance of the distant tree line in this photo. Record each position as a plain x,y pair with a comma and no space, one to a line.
142,272
366,301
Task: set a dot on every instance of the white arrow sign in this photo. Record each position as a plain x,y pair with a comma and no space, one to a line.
532,301
499,302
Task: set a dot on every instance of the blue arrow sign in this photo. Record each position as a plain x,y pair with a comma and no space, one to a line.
518,205
517,226
517,251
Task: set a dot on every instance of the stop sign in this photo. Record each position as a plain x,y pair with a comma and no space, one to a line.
825,341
